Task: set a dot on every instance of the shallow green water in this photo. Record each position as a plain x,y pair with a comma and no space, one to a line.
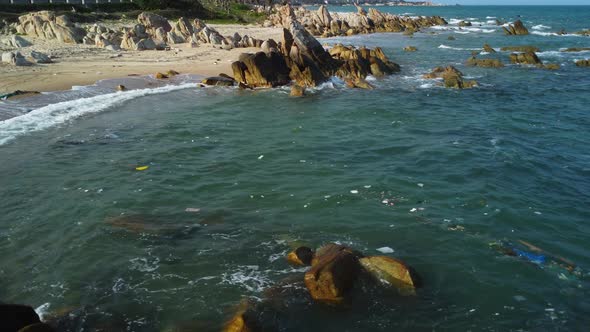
402,166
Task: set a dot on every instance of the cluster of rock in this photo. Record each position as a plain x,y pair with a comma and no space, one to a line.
47,25
152,32
301,59
334,271
451,76
583,63
516,28
326,24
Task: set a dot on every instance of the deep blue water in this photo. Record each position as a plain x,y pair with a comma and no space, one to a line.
435,174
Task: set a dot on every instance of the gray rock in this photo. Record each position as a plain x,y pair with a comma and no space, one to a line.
112,47
18,41
39,57
15,59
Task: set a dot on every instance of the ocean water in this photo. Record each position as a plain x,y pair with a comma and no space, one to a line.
435,174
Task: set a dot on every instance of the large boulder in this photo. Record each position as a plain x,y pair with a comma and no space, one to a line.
154,21
516,28
39,57
334,270
527,58
392,272
261,70
15,59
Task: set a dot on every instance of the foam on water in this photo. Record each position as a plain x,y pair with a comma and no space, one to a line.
443,46
540,27
56,114
541,33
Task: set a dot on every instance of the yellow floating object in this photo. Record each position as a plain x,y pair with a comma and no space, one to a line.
141,168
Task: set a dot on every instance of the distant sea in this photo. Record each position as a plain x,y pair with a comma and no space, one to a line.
437,175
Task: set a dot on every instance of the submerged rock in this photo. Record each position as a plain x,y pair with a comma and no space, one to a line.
488,48
452,77
392,272
516,28
493,63
576,49
218,81
410,48
521,48
527,58
333,272
583,63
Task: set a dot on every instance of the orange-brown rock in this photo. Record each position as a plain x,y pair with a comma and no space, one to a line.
516,28
392,272
333,272
452,77
527,58
303,255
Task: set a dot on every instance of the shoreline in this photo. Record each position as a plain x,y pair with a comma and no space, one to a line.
78,64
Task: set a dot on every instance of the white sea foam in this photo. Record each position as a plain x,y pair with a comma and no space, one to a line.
42,310
541,33
541,27
56,114
443,46
249,277
491,17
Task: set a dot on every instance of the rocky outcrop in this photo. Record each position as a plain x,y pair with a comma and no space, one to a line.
261,70
451,76
333,273
302,59
297,91
47,25
301,256
583,63
326,24
410,49
516,28
392,272
520,48
153,21
487,48
489,63
464,24
526,58
583,32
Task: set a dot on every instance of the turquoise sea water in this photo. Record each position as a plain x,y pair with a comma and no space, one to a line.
435,174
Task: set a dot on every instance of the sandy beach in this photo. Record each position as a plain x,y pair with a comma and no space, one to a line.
78,64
